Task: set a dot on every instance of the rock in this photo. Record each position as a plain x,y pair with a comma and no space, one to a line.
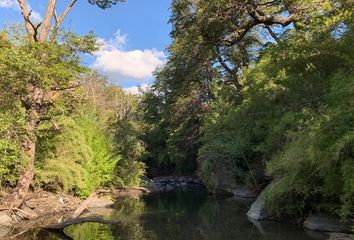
244,192
44,203
101,203
30,213
4,231
61,200
5,220
5,224
181,184
340,236
327,223
169,187
169,183
257,210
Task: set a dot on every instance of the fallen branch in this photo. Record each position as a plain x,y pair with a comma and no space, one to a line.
17,209
85,203
96,219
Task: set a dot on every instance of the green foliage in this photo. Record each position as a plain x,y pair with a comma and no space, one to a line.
10,152
126,131
79,159
94,147
72,126
128,211
33,78
154,133
316,163
292,121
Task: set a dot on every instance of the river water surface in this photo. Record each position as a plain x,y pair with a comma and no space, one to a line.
181,215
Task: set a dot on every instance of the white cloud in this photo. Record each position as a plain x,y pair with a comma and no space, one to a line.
13,4
137,90
122,65
118,41
36,17
9,4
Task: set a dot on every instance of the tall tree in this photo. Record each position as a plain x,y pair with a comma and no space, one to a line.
43,86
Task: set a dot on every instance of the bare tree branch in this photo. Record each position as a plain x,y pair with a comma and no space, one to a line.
257,14
56,16
32,32
47,22
225,66
274,36
268,3
72,87
59,20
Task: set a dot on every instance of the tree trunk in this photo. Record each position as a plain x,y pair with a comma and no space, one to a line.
26,16
29,150
34,104
47,21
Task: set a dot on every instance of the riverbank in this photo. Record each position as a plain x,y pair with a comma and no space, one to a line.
54,212
320,222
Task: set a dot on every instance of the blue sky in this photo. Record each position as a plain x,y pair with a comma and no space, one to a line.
134,34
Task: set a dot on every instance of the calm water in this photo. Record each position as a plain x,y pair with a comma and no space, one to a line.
184,215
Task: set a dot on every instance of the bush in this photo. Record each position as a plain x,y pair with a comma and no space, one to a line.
79,159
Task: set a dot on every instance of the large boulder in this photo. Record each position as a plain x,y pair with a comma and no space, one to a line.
258,211
327,223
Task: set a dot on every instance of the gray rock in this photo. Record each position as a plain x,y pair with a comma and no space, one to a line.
181,184
340,236
257,210
327,223
5,220
244,192
169,187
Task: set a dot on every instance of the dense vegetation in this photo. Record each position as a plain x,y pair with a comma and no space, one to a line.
82,136
256,92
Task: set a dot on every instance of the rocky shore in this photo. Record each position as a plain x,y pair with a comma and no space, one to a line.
170,183
334,226
56,211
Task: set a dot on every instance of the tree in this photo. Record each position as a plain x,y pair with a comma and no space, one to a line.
47,70
212,42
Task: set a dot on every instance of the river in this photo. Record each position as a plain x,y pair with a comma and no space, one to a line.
180,215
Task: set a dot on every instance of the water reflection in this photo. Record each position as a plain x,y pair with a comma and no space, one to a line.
192,215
